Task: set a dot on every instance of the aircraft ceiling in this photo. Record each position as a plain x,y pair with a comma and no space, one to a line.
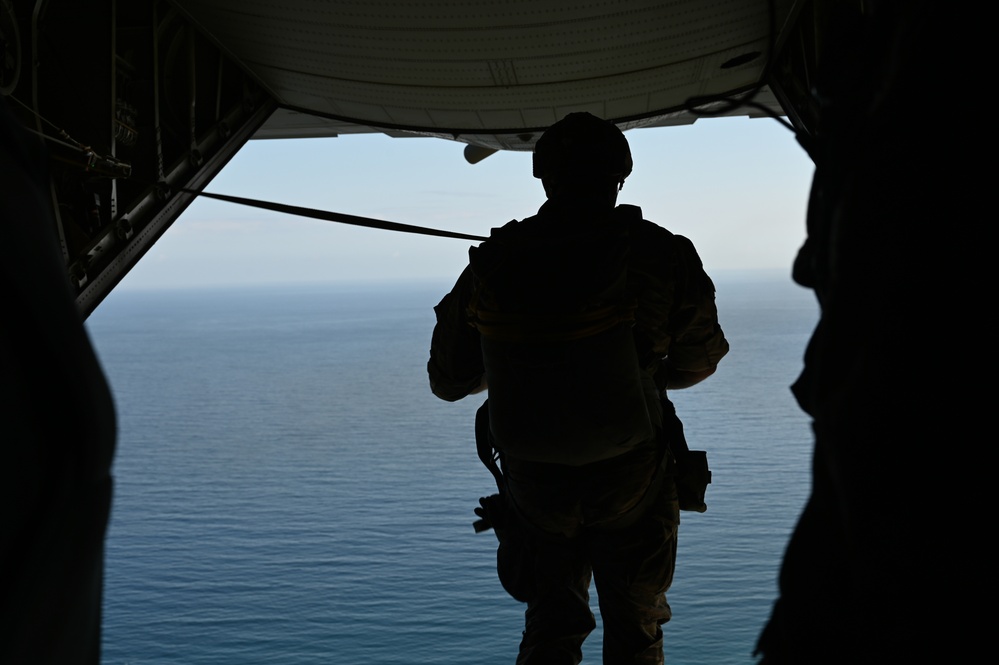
493,74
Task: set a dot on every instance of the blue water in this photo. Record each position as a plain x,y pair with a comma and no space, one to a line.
288,491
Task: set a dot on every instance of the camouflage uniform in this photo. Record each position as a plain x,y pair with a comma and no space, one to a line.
616,519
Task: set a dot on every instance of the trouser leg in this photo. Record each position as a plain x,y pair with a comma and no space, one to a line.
633,569
558,617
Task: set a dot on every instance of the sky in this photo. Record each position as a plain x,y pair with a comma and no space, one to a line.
736,187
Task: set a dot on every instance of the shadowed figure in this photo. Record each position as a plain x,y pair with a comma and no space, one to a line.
873,573
577,320
58,432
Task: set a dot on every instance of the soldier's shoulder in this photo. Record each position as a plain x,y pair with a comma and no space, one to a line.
641,230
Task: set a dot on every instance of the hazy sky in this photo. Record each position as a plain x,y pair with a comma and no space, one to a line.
736,187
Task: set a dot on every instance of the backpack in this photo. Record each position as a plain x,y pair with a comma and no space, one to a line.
555,323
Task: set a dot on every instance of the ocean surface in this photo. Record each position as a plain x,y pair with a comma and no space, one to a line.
289,492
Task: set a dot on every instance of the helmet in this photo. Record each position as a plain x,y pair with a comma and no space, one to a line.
583,145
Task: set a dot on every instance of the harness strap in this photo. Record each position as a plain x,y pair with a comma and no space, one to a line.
488,456
483,445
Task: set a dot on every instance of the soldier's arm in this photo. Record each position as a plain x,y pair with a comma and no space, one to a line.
678,379
698,343
455,367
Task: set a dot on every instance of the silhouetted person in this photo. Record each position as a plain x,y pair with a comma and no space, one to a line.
577,320
58,432
886,562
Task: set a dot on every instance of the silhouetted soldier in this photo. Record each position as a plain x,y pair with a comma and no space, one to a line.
887,561
577,320
58,432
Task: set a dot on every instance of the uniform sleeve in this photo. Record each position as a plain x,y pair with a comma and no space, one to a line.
455,366
676,319
697,341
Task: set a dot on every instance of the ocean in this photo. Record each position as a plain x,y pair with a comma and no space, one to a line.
288,491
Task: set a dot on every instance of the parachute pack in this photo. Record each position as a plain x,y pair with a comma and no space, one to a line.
555,322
